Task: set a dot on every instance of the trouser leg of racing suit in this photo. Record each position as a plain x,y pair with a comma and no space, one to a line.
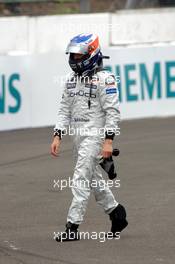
86,152
102,193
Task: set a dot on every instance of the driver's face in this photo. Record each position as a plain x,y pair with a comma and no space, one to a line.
77,56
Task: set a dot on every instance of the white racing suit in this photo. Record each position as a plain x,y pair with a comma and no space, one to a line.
89,108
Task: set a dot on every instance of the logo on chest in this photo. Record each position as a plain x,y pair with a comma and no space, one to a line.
82,93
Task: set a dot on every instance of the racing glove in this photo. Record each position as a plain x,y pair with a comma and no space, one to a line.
108,164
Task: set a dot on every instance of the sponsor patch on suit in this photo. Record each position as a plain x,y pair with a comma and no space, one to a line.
70,85
111,90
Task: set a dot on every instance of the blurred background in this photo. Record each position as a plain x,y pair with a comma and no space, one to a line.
54,7
139,37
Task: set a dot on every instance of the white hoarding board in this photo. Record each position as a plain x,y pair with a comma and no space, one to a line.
30,89
31,86
147,80
15,92
143,26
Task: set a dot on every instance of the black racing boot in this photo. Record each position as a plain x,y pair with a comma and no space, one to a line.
118,218
70,234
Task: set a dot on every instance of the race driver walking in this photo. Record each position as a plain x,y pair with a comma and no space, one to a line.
90,103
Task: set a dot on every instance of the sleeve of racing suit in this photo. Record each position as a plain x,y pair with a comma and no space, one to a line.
109,99
64,114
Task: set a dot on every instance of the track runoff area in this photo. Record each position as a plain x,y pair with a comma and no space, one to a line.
33,207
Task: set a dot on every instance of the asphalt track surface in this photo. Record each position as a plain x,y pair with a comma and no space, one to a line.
32,209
